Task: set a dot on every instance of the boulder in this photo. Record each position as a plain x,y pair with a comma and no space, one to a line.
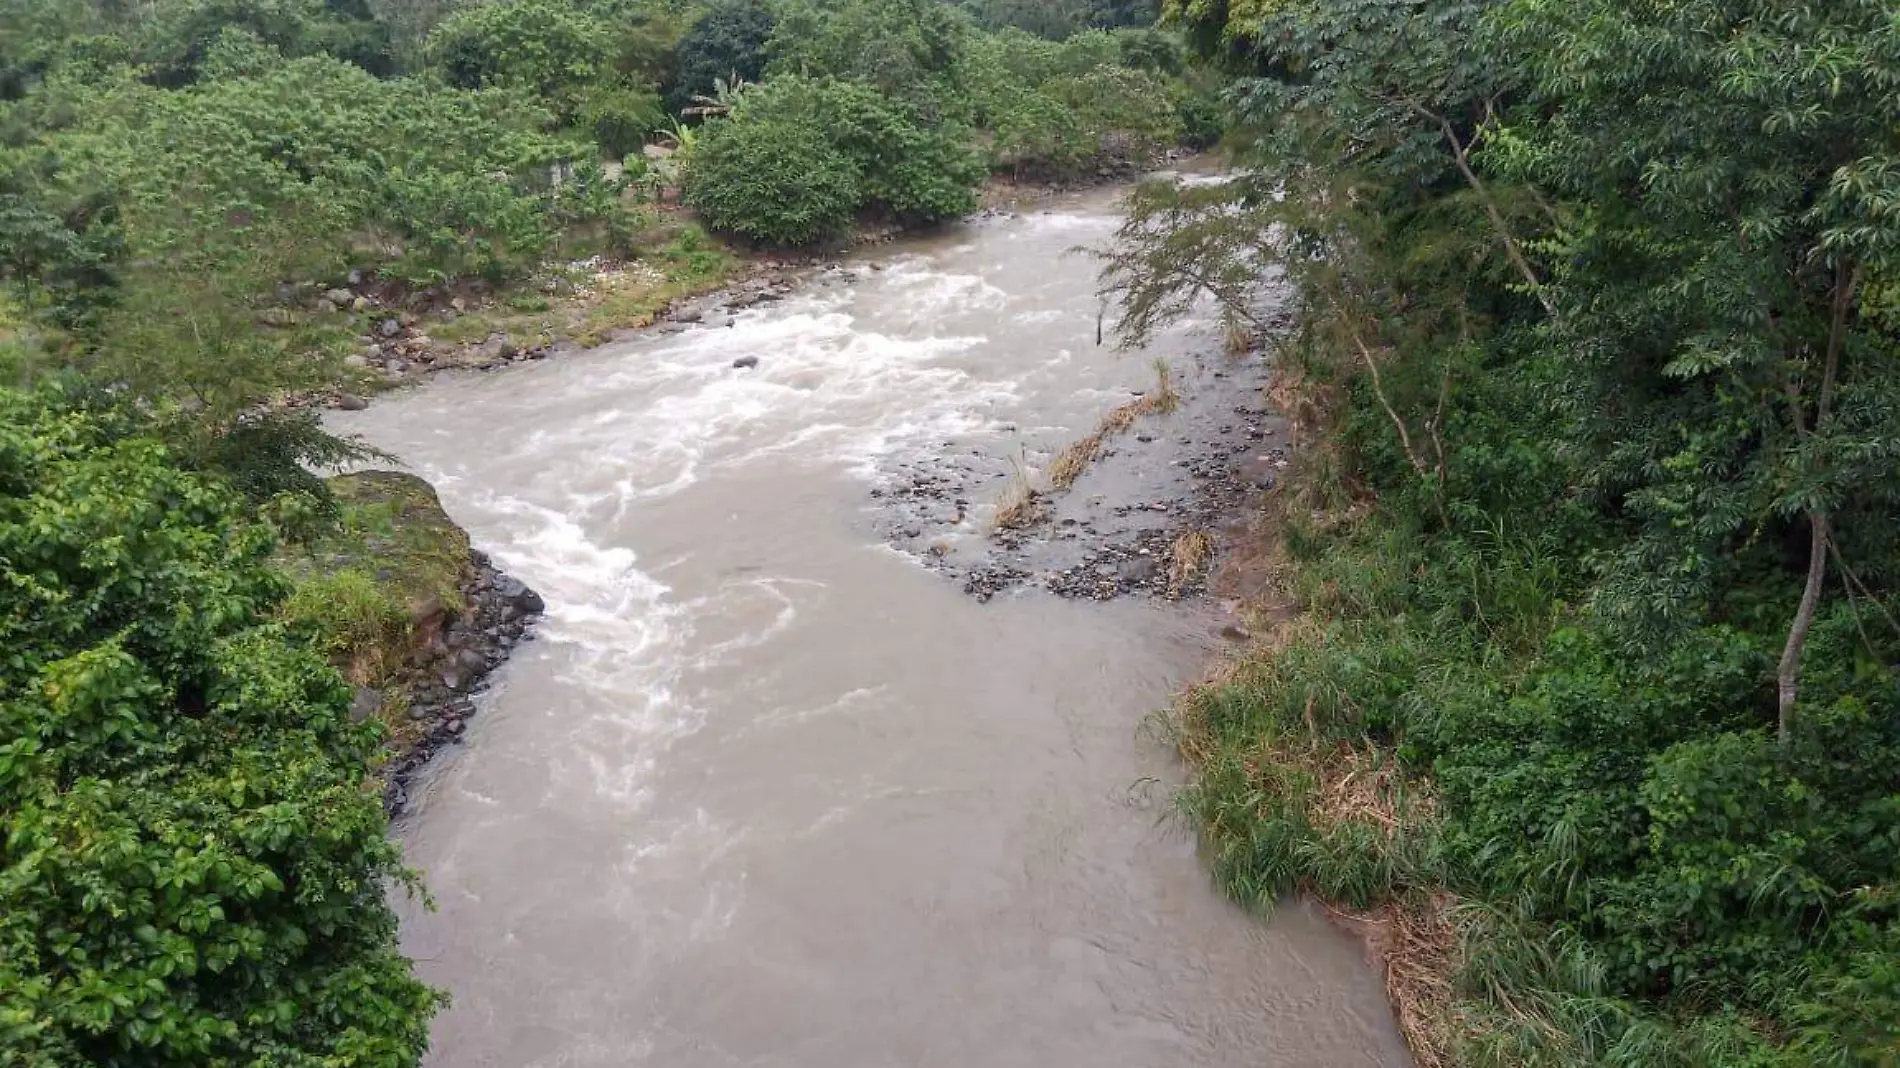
516,594
339,297
498,347
744,362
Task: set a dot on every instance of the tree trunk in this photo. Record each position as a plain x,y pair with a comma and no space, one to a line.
1788,678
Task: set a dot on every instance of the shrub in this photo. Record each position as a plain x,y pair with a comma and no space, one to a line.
192,872
778,182
911,172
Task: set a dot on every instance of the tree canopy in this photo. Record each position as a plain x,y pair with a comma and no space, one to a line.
1596,354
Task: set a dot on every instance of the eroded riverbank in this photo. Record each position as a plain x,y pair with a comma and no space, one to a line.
768,792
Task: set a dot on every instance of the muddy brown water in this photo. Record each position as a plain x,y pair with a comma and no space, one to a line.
767,791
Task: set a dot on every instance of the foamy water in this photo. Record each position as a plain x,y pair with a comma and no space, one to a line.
766,792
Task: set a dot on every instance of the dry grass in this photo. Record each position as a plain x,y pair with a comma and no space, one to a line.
1072,461
1236,340
1416,944
1164,398
1020,508
1188,558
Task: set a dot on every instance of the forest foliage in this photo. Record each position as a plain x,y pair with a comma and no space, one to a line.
1595,370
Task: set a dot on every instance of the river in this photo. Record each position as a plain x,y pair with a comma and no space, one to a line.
767,791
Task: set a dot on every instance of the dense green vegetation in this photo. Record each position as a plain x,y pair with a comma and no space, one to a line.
193,871
1592,695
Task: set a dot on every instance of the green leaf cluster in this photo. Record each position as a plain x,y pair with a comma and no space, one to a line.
1596,357
193,871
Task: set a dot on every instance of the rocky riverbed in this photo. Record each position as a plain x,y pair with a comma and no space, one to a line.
1147,516
455,654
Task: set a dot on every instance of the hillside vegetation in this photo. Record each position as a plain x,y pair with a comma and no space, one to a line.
1583,687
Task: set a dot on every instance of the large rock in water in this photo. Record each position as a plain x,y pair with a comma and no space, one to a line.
519,597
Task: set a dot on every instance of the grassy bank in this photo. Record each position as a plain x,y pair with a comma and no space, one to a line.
1566,850
373,592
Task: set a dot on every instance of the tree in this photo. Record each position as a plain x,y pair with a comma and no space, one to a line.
194,870
551,48
1763,204
729,42
906,48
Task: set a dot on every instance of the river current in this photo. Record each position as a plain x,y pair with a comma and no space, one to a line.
765,791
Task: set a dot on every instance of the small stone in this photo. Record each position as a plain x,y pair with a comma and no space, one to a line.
338,297
350,402
745,362
355,278
327,306
356,361
367,702
360,304
389,328
374,353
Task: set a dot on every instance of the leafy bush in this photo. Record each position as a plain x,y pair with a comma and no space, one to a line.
778,182
193,872
910,171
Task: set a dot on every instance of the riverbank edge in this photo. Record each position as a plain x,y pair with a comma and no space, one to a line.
415,618
1411,939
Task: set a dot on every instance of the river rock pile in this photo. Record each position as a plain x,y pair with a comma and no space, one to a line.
453,667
